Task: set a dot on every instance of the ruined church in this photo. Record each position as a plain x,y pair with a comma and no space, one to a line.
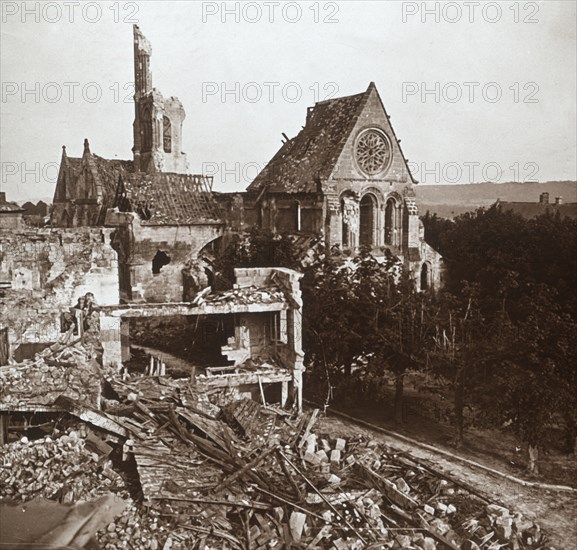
343,178
134,234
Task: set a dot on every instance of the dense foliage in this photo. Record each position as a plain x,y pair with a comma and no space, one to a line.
504,324
522,276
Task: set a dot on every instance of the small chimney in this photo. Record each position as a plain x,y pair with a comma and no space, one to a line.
2,196
544,198
558,200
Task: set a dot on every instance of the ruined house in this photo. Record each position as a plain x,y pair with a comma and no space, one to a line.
159,219
260,343
163,221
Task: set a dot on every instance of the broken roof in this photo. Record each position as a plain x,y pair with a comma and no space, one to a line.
310,157
108,172
167,198
304,162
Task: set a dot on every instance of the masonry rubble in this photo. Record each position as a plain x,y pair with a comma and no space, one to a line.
210,469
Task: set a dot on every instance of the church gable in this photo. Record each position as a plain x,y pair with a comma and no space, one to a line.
85,188
346,138
67,174
372,151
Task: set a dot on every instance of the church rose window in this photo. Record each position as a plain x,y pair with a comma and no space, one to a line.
372,152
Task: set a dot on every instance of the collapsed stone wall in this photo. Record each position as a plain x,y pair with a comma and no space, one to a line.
179,246
159,263
44,272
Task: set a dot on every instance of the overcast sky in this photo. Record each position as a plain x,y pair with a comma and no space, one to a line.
475,90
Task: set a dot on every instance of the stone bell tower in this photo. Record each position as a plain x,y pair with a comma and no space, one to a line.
157,121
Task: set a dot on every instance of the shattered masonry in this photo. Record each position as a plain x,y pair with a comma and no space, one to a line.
230,473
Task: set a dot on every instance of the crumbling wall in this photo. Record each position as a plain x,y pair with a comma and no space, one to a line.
44,272
290,353
240,210
155,259
435,266
258,327
11,220
180,244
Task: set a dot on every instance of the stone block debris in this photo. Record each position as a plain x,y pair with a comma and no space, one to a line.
198,469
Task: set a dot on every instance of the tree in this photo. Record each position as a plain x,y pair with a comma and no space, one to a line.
348,315
538,372
459,348
436,230
400,326
330,314
524,273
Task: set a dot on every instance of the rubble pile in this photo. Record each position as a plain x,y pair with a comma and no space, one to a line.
209,469
241,295
61,370
235,474
65,467
140,528
497,523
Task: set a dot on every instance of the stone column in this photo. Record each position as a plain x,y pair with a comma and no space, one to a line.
110,337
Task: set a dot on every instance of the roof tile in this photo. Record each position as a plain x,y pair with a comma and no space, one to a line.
167,198
311,156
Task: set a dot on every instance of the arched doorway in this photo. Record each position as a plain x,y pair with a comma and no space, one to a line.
390,221
425,276
344,225
367,215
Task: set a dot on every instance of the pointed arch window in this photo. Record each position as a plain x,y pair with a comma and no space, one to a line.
390,221
367,220
146,128
166,135
425,276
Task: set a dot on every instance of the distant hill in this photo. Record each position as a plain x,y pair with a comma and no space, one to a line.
449,201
